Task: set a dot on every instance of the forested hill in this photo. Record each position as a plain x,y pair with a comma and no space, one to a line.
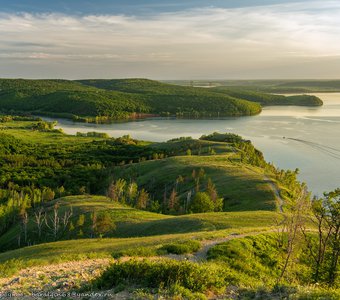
71,98
270,99
101,100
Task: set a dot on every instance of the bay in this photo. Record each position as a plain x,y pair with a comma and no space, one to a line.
291,137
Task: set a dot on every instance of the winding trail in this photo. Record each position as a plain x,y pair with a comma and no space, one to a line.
69,276
201,255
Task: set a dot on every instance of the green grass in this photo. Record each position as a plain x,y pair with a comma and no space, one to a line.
136,223
80,249
184,247
165,273
242,186
188,280
257,262
23,130
154,234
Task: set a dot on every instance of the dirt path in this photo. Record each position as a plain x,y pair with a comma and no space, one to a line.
201,255
55,277
72,275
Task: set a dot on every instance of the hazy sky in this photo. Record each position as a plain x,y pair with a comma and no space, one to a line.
216,39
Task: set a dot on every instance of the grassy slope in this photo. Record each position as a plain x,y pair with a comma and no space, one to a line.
141,233
131,222
242,186
143,96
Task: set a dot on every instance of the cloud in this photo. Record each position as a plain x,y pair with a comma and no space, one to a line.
205,42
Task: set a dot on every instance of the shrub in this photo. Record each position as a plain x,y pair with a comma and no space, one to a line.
182,248
104,223
139,251
164,274
201,203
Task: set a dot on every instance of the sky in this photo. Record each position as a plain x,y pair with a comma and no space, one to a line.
193,39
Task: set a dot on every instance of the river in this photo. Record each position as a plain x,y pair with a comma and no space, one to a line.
291,137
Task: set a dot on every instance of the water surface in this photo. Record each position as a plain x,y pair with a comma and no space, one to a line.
316,152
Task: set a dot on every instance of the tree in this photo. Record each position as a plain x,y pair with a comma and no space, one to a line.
187,201
111,192
55,221
132,191
179,180
81,220
39,219
116,190
104,224
61,191
120,186
24,222
71,227
325,249
290,233
82,190
211,190
47,194
66,217
142,199
201,173
201,203
94,223
193,174
173,200
333,221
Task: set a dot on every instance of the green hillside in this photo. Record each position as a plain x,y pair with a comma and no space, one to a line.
135,229
123,99
184,219
129,222
243,187
104,100
39,164
66,98
271,99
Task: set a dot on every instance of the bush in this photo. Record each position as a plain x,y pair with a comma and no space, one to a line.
182,248
104,223
139,251
201,203
164,274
